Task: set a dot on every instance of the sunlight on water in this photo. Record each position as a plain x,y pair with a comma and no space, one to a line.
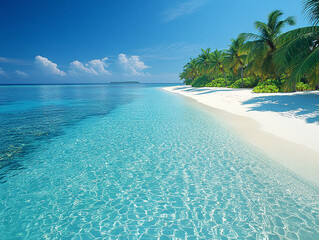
138,163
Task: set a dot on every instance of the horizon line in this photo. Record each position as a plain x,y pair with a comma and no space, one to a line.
9,84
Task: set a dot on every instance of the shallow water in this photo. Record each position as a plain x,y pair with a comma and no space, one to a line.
136,162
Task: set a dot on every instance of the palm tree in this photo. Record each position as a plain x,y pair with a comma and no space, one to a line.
190,71
299,53
265,43
217,62
204,61
236,56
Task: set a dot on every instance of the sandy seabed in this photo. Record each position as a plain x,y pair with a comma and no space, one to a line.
283,125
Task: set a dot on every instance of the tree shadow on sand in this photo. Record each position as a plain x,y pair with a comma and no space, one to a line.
212,91
201,91
181,88
303,105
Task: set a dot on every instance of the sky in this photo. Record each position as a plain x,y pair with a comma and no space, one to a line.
99,41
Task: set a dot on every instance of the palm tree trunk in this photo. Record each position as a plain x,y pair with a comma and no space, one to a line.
242,77
225,76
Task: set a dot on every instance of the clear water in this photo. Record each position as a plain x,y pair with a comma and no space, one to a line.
136,162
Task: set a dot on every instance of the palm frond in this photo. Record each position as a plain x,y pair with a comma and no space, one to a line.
262,27
288,36
306,66
273,18
287,51
311,10
281,24
249,36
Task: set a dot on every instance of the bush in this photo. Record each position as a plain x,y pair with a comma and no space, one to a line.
231,79
266,89
268,86
200,81
218,82
303,87
248,83
188,82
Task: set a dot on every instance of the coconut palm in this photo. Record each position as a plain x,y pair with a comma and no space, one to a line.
299,53
204,61
264,44
217,61
190,71
294,54
237,57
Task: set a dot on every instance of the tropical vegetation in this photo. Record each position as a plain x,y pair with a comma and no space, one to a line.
267,61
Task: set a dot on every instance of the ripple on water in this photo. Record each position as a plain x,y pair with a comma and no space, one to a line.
146,171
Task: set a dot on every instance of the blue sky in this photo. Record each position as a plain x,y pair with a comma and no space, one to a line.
97,41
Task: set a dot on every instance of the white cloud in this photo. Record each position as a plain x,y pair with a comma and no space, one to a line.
183,8
2,72
47,66
21,73
133,64
7,60
13,61
93,67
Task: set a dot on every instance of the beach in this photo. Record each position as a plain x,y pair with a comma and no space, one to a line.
283,125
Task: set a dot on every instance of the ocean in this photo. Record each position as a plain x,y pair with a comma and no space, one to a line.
132,161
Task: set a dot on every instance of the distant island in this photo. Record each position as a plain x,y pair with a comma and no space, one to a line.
134,82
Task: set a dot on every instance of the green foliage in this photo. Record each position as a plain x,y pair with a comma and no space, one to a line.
219,82
303,87
299,55
190,71
292,57
236,54
200,81
268,86
263,45
231,79
188,81
311,8
204,61
266,89
249,82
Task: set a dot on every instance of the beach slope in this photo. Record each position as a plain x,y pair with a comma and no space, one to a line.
285,125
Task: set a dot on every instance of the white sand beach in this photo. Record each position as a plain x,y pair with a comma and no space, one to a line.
283,125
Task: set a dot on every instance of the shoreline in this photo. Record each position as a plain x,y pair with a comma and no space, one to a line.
277,124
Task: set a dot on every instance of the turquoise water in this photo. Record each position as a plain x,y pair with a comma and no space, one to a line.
136,162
